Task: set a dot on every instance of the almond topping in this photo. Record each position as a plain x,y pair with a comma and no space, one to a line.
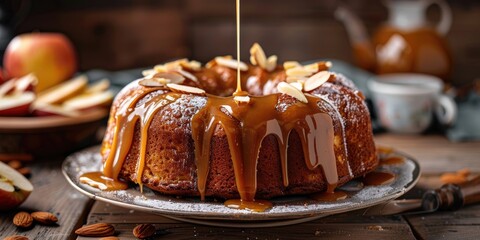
297,85
231,63
271,63
311,67
148,72
44,218
241,99
96,230
298,72
153,82
290,90
143,231
185,89
187,75
23,220
316,80
259,56
192,65
291,64
173,77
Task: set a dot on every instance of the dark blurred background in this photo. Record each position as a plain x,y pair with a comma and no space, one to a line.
122,34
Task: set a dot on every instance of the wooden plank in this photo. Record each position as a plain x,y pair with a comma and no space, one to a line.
461,224
52,194
343,226
436,154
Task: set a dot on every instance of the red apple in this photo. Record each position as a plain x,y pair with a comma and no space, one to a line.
3,76
14,187
16,104
50,56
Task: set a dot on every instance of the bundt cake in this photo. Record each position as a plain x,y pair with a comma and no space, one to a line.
295,129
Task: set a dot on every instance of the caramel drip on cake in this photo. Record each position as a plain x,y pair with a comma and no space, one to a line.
246,125
129,113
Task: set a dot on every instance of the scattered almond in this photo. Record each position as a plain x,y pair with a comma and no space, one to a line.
231,63
44,218
290,90
109,238
143,231
23,220
16,237
96,230
316,80
185,89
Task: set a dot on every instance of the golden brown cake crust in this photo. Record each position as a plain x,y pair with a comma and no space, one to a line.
170,160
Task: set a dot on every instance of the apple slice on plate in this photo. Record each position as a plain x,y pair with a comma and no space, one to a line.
63,91
26,83
16,104
7,87
14,187
44,109
89,101
99,86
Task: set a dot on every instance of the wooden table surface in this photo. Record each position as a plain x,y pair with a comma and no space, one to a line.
435,154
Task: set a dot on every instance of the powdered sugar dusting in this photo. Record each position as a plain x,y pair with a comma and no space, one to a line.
283,208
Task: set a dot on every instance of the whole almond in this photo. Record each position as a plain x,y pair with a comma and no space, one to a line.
96,230
144,231
16,237
23,220
44,218
109,238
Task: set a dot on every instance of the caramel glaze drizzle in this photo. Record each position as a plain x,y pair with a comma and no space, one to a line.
246,125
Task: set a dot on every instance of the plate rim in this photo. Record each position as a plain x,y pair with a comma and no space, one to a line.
242,216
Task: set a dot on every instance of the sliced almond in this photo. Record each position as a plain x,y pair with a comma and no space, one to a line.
231,63
185,89
253,61
316,80
154,82
241,99
298,72
148,72
311,67
260,58
271,63
192,65
99,86
297,85
171,76
187,75
291,64
290,90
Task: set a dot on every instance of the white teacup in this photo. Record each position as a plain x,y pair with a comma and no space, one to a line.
405,103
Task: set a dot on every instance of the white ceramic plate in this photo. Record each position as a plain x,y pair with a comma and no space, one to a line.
285,211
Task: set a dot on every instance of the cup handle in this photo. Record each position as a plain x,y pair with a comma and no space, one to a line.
446,110
446,20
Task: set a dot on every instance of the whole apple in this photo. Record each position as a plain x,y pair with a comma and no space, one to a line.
50,56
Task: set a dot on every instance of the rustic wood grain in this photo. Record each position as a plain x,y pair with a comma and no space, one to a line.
436,154
343,226
52,194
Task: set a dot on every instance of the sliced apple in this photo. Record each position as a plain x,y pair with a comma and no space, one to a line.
16,104
88,101
7,87
99,86
14,187
26,83
63,91
43,110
